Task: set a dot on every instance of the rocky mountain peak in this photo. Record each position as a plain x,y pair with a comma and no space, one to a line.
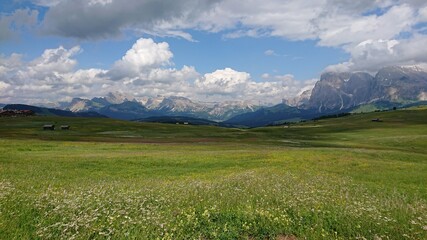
300,100
334,79
153,103
179,104
79,105
336,91
118,97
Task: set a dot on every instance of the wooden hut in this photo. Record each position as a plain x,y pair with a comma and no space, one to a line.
49,127
65,127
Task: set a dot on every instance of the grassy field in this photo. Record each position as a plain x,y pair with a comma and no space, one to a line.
345,178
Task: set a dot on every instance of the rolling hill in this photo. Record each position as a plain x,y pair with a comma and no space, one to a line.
51,111
271,115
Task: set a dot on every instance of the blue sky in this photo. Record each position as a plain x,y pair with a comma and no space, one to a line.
209,52
303,59
205,50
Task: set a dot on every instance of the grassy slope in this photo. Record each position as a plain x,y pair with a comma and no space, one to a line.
335,178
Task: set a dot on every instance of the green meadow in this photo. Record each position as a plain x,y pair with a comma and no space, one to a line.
341,178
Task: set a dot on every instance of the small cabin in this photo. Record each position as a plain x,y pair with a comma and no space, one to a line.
65,127
49,127
186,123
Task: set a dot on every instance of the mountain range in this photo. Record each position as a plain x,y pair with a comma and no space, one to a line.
335,92
121,106
339,92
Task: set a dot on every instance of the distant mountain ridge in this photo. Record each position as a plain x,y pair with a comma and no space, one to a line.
121,106
51,111
335,92
126,111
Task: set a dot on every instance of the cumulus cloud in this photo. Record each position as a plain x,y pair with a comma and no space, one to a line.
276,88
145,70
223,82
344,24
53,76
229,84
351,30
147,66
49,77
55,60
372,55
394,38
8,62
144,54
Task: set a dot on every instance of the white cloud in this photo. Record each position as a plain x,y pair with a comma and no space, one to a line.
368,30
144,71
172,75
144,54
86,76
146,66
333,23
270,53
223,82
228,84
372,55
3,86
341,30
53,75
8,62
55,60
49,77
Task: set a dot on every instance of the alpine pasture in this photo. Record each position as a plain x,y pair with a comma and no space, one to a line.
339,178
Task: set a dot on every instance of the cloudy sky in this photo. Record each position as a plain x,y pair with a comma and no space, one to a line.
207,50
